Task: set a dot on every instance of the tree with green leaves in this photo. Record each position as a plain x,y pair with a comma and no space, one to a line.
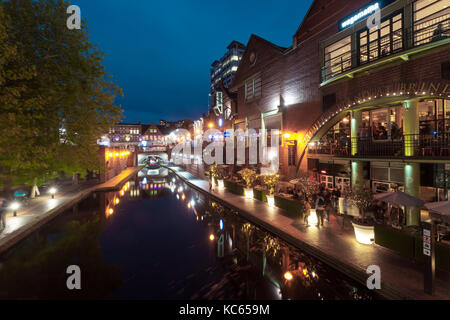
56,98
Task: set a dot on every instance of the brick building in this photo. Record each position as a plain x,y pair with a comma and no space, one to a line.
357,102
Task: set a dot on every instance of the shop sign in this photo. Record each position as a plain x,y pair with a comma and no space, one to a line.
363,13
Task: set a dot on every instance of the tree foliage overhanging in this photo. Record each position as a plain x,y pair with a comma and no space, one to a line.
56,98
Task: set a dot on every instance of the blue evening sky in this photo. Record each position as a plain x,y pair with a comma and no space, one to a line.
160,52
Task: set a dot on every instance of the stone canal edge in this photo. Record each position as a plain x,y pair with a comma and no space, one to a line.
352,271
20,234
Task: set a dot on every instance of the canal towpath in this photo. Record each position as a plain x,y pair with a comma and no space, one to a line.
41,210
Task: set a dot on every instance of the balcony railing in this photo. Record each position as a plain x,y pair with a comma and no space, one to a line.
422,33
418,146
341,149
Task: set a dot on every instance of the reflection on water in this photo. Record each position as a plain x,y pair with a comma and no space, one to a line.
156,238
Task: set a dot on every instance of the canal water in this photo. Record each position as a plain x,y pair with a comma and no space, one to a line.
158,239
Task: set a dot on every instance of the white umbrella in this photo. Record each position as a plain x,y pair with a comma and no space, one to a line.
399,198
439,210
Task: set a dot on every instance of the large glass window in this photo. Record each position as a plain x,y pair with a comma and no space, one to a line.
379,42
338,58
434,117
382,124
431,21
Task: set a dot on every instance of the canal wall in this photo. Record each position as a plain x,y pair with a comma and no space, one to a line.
44,216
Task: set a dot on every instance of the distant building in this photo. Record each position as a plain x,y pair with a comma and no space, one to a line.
125,135
225,68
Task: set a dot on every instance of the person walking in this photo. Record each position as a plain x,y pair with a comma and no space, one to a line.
307,207
320,203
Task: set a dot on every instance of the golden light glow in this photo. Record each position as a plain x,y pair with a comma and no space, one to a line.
211,125
211,237
183,197
288,276
117,201
287,135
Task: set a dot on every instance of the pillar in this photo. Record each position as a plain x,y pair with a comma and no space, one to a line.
357,174
412,187
411,126
355,126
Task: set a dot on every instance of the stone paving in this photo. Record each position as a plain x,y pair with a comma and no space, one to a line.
401,277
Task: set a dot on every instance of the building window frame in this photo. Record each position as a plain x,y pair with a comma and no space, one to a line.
253,88
380,46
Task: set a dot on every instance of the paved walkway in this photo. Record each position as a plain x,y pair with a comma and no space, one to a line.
401,277
44,208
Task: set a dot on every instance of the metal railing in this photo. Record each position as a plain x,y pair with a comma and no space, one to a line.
421,33
419,146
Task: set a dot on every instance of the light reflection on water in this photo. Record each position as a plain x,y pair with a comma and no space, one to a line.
156,238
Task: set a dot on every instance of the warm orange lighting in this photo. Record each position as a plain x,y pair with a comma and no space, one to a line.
189,205
288,276
287,135
211,125
122,193
117,201
211,237
117,154
183,197
110,155
109,212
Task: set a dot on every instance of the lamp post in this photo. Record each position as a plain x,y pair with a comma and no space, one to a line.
52,192
14,206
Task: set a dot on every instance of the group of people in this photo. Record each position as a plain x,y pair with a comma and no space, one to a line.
324,203
394,214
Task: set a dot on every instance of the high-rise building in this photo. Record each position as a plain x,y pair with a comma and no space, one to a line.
225,68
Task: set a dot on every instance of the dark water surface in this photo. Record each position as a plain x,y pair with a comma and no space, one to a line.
158,239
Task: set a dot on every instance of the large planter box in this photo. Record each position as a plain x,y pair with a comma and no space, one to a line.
294,207
260,195
234,187
398,241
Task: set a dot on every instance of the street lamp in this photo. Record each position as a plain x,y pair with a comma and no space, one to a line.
52,192
14,206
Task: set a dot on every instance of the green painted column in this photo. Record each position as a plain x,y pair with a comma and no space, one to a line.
412,187
411,126
357,174
355,126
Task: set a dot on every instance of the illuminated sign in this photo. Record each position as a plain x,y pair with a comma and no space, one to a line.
362,13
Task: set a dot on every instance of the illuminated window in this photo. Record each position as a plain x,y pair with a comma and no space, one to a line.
431,20
338,58
380,42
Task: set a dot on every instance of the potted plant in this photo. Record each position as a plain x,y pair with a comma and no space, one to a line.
271,181
249,177
362,198
218,174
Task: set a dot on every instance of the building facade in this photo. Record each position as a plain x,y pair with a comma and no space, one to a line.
356,101
225,68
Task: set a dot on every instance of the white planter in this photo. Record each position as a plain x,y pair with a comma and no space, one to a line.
364,234
271,201
221,184
248,192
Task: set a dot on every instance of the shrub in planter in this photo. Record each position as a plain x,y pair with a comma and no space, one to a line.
249,177
271,181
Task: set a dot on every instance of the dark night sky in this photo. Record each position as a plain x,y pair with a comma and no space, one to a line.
160,52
